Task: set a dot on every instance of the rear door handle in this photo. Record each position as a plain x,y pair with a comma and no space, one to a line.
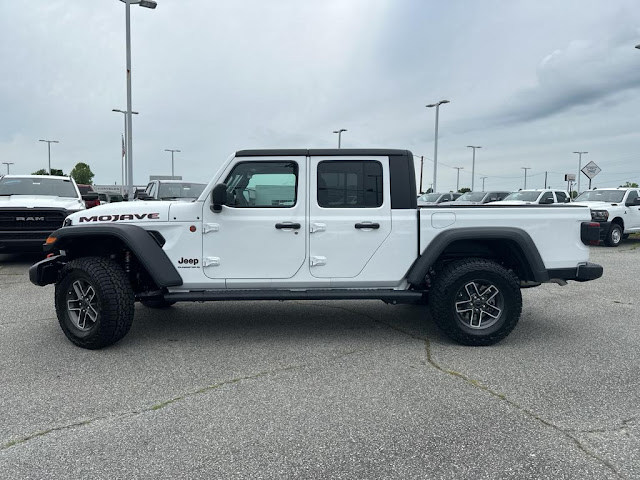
293,226
374,226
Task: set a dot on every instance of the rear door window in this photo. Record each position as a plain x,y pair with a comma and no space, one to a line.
349,184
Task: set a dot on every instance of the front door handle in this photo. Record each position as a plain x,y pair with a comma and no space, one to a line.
374,226
293,226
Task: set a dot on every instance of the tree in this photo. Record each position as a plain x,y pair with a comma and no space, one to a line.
82,174
464,190
629,185
54,171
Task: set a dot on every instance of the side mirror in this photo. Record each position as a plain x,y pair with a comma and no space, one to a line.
218,197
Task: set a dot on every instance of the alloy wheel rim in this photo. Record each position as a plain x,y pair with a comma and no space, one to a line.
82,305
479,304
615,235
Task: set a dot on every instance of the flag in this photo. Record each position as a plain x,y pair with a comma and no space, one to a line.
124,151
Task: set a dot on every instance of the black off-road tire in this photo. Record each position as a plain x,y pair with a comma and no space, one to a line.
100,286
614,236
497,300
157,303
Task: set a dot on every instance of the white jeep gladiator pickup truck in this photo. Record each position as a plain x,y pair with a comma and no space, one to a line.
312,224
616,209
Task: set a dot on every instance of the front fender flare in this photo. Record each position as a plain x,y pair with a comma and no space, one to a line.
137,239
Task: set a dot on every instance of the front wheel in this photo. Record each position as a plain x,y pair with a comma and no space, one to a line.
476,301
94,302
614,237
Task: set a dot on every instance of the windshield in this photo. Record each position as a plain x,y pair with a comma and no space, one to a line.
609,196
525,196
180,190
56,187
471,197
429,197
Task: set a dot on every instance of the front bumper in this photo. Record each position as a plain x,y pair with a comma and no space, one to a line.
582,273
46,271
605,227
23,241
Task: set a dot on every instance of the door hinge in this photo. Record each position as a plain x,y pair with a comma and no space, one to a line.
318,261
317,227
210,227
211,262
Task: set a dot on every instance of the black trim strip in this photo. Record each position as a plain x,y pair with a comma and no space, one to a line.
339,294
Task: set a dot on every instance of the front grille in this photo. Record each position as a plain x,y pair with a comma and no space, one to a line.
31,219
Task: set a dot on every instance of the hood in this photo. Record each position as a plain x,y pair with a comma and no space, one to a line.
513,202
41,201
461,202
123,212
597,205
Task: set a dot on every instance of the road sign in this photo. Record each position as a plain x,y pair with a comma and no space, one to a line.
569,177
591,170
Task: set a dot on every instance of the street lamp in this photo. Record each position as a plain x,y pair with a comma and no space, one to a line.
525,176
435,148
49,142
579,167
473,165
483,179
124,148
339,132
147,4
7,164
458,178
172,151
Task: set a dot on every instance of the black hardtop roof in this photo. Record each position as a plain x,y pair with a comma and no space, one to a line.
324,152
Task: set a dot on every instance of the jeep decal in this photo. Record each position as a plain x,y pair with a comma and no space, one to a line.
124,216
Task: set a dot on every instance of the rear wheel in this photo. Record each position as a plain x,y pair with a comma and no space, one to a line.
614,237
94,302
476,301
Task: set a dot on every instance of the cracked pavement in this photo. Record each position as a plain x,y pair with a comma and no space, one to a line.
326,389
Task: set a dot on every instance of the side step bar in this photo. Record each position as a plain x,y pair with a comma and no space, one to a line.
388,296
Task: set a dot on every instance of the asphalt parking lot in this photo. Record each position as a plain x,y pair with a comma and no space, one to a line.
326,389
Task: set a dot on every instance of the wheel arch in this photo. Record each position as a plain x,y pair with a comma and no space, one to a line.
145,246
512,247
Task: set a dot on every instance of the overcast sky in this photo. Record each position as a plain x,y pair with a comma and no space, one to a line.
529,81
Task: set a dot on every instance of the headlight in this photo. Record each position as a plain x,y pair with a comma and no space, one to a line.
599,215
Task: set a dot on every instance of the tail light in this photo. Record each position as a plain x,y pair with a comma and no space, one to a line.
590,233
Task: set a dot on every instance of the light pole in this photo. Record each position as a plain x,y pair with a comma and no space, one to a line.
483,179
579,168
339,132
7,164
525,176
49,142
435,148
458,178
172,151
147,4
473,165
125,156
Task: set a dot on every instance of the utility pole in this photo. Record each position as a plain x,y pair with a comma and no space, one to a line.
458,177
525,176
435,148
483,179
545,179
7,164
473,164
579,168
421,170
49,142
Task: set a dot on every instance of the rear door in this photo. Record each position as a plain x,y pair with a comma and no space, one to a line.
349,213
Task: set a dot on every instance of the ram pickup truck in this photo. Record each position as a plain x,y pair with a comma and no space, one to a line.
33,206
312,224
616,209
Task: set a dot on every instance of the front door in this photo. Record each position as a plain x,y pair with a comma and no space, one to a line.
349,213
261,231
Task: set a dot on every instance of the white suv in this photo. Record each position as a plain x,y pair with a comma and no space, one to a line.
539,196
